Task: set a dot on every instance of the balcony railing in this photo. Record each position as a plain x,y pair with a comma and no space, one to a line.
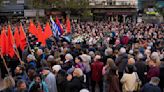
112,3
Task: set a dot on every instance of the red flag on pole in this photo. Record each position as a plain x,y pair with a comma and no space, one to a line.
10,42
47,31
32,28
4,42
23,41
40,35
68,25
17,37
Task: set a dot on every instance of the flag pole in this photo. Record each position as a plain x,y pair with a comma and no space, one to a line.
27,41
4,62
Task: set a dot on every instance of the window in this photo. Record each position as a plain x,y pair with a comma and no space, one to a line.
20,1
6,2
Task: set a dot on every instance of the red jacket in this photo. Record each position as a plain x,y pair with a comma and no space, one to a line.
96,68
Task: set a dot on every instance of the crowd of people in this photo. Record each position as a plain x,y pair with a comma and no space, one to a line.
101,55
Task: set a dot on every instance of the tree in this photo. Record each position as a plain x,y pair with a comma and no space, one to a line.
76,6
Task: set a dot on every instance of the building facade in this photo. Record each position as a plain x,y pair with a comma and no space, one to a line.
114,10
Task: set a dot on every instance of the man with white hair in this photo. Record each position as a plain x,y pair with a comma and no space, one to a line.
31,61
50,79
121,61
74,83
68,63
108,54
60,77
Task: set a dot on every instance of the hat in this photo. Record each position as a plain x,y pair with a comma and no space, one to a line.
56,68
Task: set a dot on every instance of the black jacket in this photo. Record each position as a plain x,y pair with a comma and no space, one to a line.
121,62
74,85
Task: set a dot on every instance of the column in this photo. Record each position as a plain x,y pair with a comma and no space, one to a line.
116,18
124,18
112,18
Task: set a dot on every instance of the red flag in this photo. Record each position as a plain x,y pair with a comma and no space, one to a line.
40,36
32,28
4,42
60,27
22,38
17,37
68,25
47,31
10,42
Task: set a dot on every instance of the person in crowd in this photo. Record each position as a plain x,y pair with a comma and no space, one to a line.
87,68
40,55
38,85
9,84
31,73
20,73
154,69
31,61
68,63
113,80
161,76
121,62
51,61
141,68
50,79
21,86
60,77
152,86
96,75
129,79
74,81
108,54
106,72
79,63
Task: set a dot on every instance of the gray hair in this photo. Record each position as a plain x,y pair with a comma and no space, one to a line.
122,50
50,58
108,50
155,80
31,57
155,56
140,56
79,71
69,56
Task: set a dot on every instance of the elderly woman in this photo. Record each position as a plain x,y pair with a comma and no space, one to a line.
68,63
154,69
60,77
31,61
75,82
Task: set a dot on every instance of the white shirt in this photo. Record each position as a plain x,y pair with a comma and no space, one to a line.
129,81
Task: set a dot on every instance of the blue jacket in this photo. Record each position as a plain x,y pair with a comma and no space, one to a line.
150,88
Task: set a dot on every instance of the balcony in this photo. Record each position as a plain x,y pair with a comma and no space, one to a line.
112,4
